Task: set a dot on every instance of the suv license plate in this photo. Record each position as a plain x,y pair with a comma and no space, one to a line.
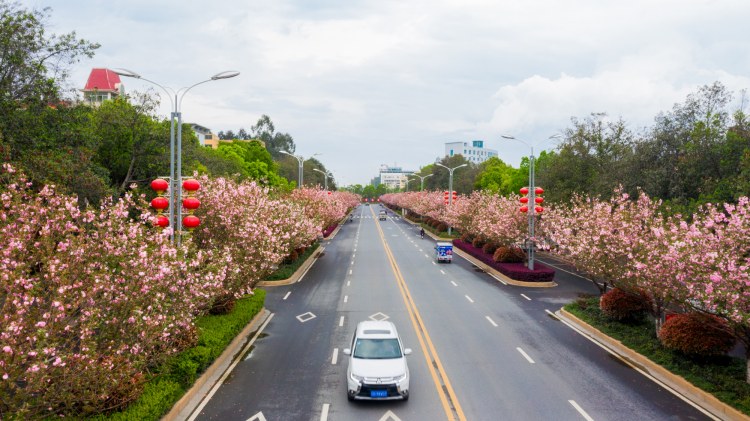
378,393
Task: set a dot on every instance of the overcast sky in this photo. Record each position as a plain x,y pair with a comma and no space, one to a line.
370,82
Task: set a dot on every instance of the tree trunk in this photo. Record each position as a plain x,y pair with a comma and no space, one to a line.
128,176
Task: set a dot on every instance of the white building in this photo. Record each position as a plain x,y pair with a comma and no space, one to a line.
393,177
474,152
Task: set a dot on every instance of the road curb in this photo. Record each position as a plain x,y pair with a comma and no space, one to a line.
676,383
503,278
193,397
297,275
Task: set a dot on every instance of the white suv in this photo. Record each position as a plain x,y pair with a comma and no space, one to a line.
377,365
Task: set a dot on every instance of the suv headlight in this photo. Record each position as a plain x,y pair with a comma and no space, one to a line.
357,378
399,379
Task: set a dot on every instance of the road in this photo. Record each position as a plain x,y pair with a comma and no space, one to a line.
482,350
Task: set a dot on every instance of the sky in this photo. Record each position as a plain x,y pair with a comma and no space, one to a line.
371,82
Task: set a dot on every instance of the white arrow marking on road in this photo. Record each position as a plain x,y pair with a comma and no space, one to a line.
335,356
258,417
525,355
389,416
580,410
287,295
491,321
524,296
306,317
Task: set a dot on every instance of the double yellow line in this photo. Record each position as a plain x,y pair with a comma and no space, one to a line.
443,385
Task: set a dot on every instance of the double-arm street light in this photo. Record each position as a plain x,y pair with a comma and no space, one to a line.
422,177
301,161
325,175
450,184
175,156
531,243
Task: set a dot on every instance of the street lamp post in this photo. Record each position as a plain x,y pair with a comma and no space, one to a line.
301,161
325,175
175,170
532,199
407,182
421,178
450,184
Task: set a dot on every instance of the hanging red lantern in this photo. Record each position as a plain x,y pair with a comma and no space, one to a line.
524,190
161,221
538,209
538,200
190,222
524,200
159,185
159,203
524,209
191,203
191,185
538,190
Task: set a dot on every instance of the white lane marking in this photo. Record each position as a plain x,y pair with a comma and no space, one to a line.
580,410
335,356
421,250
454,284
352,262
389,416
499,280
426,255
306,317
324,414
348,283
525,355
341,321
442,271
346,298
469,298
434,263
568,272
287,295
226,374
350,271
552,314
524,296
353,256
491,321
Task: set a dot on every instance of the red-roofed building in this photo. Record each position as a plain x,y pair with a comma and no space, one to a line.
103,84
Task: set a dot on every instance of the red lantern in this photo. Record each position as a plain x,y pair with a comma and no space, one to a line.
190,222
524,190
539,190
524,209
191,185
159,185
191,203
455,196
160,203
524,200
539,209
538,200
161,221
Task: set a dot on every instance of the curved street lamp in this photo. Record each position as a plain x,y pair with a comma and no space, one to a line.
325,175
421,178
175,209
450,184
301,161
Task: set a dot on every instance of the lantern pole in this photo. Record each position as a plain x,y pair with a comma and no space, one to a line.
175,174
450,185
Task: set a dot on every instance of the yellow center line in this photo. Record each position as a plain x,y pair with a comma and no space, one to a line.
444,388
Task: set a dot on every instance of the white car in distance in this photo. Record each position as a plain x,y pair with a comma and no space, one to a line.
377,363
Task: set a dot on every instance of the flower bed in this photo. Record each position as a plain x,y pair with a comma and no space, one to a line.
329,230
516,271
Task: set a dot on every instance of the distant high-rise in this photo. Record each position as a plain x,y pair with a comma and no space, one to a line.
474,152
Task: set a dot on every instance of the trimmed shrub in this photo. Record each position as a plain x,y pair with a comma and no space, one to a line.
697,334
441,227
467,238
622,305
505,254
516,271
489,248
478,243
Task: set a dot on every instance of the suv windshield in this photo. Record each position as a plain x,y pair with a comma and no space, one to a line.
377,348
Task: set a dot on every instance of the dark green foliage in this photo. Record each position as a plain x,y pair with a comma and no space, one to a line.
621,305
697,334
724,377
286,270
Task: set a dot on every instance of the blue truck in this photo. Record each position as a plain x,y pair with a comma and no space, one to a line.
444,251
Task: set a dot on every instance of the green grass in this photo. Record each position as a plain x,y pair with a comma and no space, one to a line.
723,377
286,270
179,373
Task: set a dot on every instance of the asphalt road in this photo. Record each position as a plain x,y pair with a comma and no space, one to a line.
482,350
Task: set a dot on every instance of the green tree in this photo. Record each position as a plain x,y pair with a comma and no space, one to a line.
498,177
463,178
254,161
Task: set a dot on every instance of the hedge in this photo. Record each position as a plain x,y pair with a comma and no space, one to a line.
516,271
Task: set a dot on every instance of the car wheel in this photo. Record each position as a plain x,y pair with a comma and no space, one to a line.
349,397
406,398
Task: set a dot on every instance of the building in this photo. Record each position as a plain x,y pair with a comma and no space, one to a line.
393,177
102,85
205,136
474,152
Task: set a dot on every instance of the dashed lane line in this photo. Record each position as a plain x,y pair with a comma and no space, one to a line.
525,355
